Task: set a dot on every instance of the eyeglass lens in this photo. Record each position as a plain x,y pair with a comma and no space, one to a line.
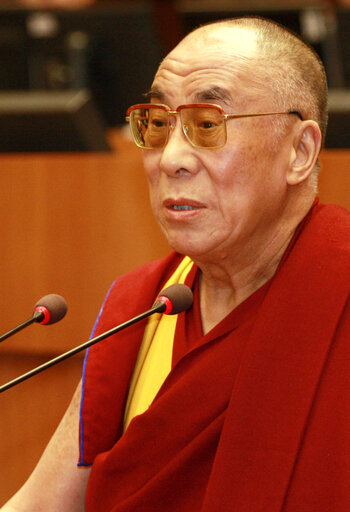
203,127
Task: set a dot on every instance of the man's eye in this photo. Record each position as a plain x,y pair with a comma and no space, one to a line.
158,123
208,124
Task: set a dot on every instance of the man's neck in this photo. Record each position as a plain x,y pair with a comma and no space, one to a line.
227,282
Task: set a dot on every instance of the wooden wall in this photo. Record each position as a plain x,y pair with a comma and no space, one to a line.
70,224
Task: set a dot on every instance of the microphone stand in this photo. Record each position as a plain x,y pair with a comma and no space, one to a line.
37,317
159,307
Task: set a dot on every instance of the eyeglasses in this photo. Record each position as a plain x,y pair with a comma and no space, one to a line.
203,124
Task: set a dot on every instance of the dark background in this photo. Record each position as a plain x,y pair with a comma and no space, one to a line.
113,52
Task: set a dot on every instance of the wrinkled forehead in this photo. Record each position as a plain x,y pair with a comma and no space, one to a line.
226,60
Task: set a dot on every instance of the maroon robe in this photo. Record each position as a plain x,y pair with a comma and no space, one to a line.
254,416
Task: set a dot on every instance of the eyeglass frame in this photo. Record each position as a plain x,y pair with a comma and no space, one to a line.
176,113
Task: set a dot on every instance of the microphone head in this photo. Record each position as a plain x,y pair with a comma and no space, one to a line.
52,307
177,298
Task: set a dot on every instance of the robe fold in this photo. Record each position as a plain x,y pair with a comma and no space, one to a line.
254,416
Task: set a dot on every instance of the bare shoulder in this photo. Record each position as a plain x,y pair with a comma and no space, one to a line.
56,483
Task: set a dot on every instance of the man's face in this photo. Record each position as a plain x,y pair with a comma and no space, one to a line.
211,203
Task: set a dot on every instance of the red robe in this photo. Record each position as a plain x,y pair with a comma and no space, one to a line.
254,416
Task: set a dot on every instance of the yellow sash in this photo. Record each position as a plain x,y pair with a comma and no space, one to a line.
155,355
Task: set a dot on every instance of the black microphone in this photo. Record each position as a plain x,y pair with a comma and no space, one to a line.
173,300
48,310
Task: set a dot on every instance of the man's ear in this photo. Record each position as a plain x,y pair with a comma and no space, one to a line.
306,147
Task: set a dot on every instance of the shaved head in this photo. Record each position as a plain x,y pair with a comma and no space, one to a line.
283,64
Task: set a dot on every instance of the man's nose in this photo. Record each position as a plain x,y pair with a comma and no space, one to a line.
178,154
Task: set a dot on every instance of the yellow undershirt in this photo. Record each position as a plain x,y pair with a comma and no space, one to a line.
155,355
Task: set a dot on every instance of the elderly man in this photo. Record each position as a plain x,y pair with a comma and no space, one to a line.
243,402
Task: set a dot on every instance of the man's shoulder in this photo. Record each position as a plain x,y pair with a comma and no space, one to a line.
333,212
145,280
322,249
135,291
332,226
153,269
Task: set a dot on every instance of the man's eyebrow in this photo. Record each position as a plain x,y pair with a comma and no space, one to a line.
213,93
154,92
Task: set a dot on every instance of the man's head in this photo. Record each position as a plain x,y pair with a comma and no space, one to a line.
288,67
207,198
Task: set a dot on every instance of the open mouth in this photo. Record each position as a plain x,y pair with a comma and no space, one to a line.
183,205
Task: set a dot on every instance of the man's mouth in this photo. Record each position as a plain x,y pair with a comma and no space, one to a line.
182,205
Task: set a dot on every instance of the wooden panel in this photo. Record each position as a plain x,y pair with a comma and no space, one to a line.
70,225
30,414
334,185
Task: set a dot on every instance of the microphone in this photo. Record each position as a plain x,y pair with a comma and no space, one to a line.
176,299
48,310
173,300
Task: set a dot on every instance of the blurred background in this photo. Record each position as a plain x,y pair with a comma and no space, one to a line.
73,198
52,49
